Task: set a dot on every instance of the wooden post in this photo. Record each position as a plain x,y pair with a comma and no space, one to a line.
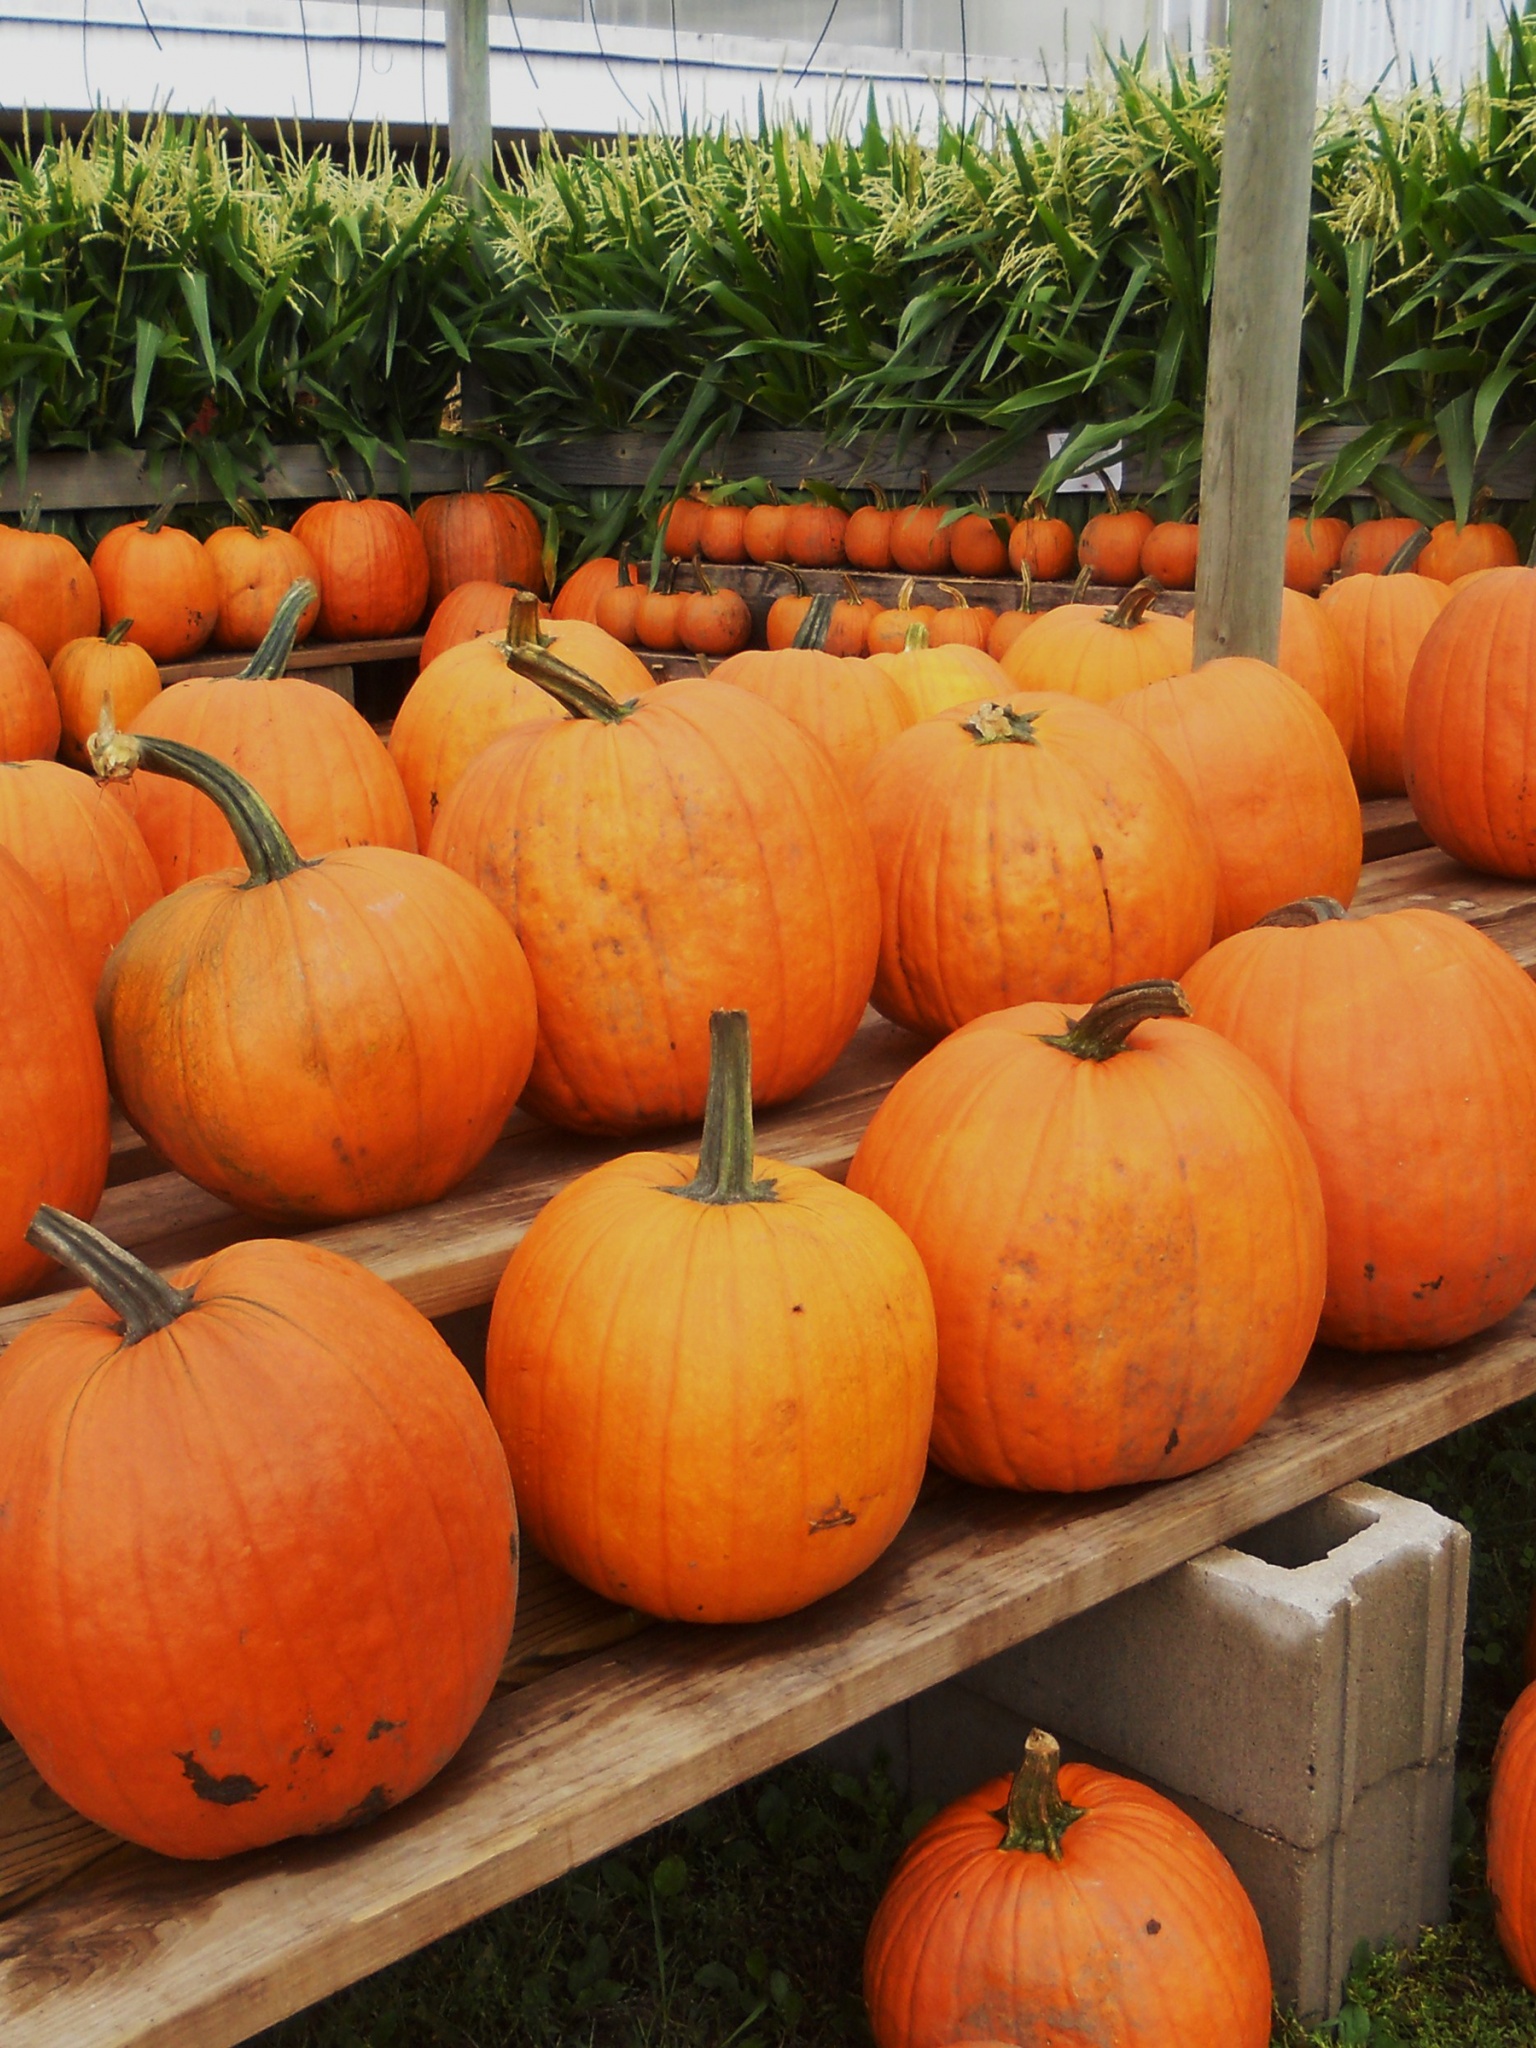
1255,351
466,32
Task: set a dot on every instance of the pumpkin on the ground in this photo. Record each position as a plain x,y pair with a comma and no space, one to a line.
1034,849
1269,780
479,537
314,1039
372,563
302,1481
47,591
160,577
1098,654
1124,1234
82,850
254,567
688,851
1313,654
1405,1046
100,669
1065,1906
1382,621
30,726
713,1377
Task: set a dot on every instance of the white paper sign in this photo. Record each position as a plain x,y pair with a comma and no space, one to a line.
1092,480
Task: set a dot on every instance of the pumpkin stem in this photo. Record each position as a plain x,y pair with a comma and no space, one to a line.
271,657
789,569
1408,553
246,513
32,513
1101,1032
726,1152
1479,506
955,595
702,574
116,635
917,638
1109,490
1081,582
626,575
144,1299
1027,588
904,595
264,846
162,512
527,652
1136,602
344,490
1307,910
1037,1815
992,723
812,630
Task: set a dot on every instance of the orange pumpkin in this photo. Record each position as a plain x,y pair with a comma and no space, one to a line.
317,762
161,579
680,524
764,529
247,1018
1062,845
1099,655
82,850
102,669
1454,550
1369,547
55,1130
726,867
1382,621
1312,550
867,540
722,533
1109,1312
712,622
1512,1837
1269,780
920,541
579,594
1171,553
478,537
47,591
254,567
787,615
1007,626
373,569
852,617
1405,1044
659,618
887,631
960,623
978,544
29,710
619,1399
935,679
1047,548
1110,544
321,1612
1467,752
619,605
464,614
1065,1906
813,536
1313,654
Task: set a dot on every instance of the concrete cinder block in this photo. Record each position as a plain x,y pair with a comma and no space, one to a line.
1274,1679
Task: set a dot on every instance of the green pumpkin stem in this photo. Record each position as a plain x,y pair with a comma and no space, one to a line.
726,1153
162,512
144,1299
526,651
1101,1032
1307,910
249,518
32,513
1037,1815
992,723
264,846
814,626
271,657
1081,583
1136,602
1408,553
116,635
917,638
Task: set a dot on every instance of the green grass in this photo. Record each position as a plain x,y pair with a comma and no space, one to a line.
743,1922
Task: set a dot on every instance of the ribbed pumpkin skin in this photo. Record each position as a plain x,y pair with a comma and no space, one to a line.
480,537
1481,544
83,851
47,591
464,614
920,540
29,709
87,670
300,1484
1512,1837
318,762
1467,747
937,679
374,576
1046,547
164,582
701,855
578,594
1140,1937
1268,777
1405,1045
1110,545
764,528
1073,650
1011,873
1369,547
1313,654
54,1131
1171,553
712,1413
247,1029
850,705
1382,621
1109,1311
253,574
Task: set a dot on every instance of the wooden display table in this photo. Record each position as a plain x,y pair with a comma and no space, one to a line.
607,1724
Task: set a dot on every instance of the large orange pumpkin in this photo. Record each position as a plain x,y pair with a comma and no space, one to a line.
159,577
1382,621
47,591
851,705
320,1529
55,1133
83,851
1313,654
1312,549
1066,1906
1086,651
578,595
1405,1044
1454,550
29,709
317,762
1027,850
689,851
1468,754
1124,1234
1047,548
312,1039
479,537
725,1416
1370,546
100,669
1269,780
1512,1837
254,568
1110,544
373,567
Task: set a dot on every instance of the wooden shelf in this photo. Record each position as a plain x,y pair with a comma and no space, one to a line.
313,657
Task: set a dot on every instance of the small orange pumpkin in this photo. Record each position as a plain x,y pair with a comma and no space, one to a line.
580,593
679,523
618,607
867,541
161,579
659,617
1312,550
1171,553
920,541
1007,626
1110,544
1454,550
1047,548
102,669
254,567
47,591
764,530
722,533
478,537
1369,547
82,850
373,569
960,623
30,727
464,614
813,535
887,631
714,622
978,542
1099,655
1512,1837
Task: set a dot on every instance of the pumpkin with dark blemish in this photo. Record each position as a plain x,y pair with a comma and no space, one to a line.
297,1477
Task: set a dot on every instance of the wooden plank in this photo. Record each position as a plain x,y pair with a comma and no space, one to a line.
1390,827
311,659
1505,910
115,480
140,1950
